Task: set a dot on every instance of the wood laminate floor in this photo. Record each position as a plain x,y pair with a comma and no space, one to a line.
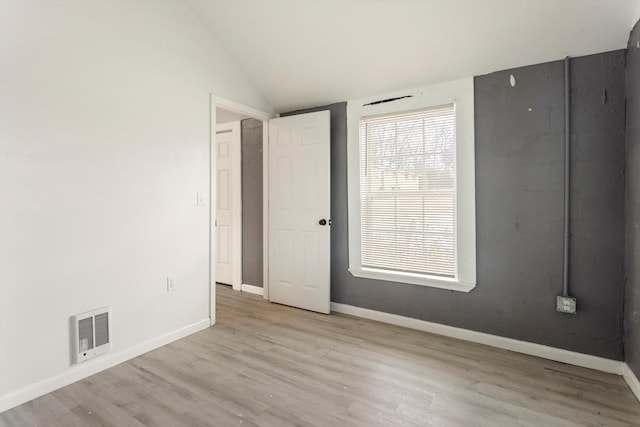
270,365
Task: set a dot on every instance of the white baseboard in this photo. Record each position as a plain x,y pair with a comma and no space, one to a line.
84,370
78,372
539,350
632,380
253,289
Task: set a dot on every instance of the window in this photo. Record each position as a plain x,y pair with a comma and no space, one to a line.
407,192
411,195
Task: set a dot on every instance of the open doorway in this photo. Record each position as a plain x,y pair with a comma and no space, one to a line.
237,203
287,206
228,214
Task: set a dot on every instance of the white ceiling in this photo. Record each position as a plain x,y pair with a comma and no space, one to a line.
302,53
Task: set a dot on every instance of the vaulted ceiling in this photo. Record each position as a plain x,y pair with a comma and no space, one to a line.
302,53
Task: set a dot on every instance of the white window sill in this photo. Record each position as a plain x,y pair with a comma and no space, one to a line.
413,279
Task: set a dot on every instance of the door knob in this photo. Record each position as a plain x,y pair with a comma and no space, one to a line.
322,222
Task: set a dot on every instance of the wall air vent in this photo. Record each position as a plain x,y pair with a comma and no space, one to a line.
90,334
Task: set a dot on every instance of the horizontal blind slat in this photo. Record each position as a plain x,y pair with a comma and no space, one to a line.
408,191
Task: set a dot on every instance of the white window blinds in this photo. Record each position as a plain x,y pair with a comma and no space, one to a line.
408,192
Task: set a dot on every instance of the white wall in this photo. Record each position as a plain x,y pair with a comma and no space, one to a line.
104,141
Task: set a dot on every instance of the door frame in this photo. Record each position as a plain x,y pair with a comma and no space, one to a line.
236,189
217,101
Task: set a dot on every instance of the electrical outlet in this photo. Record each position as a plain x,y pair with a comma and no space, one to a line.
566,304
171,283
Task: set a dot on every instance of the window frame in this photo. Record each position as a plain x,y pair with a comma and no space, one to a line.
460,94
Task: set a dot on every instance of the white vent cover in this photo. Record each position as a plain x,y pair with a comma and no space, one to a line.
90,334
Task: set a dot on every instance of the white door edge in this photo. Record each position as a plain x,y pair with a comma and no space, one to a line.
265,209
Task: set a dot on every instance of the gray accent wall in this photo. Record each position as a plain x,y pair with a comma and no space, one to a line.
251,202
632,298
519,212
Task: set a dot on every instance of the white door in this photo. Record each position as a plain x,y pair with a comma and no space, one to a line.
228,205
299,208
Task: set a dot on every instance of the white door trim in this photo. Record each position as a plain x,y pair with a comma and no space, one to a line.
217,101
236,189
241,108
265,209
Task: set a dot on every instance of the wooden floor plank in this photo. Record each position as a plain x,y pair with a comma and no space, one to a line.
270,365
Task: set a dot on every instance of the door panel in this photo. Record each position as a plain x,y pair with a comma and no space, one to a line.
299,197
227,198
